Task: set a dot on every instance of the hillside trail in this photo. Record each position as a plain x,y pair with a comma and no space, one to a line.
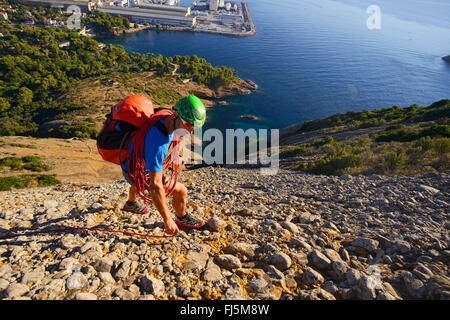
286,236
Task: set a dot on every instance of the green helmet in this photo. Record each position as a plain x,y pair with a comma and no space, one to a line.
191,110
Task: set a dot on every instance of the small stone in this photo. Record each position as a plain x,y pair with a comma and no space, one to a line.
332,255
387,288
96,206
124,294
70,241
106,277
67,263
243,248
422,272
324,294
367,244
3,284
312,277
7,214
290,226
152,285
216,224
366,288
344,255
274,272
89,246
54,289
299,243
123,270
429,189
105,291
183,291
402,246
330,287
85,296
413,285
340,269
352,276
307,217
228,261
281,261
16,290
258,285
32,277
103,264
212,274
346,293
5,269
319,260
198,259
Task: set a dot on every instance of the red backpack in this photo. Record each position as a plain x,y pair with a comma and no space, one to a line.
131,114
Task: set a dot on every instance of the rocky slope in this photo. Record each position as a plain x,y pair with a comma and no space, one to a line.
287,236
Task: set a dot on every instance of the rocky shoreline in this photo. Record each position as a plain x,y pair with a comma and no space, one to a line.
239,87
288,236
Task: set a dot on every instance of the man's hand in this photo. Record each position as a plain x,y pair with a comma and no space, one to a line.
171,227
159,200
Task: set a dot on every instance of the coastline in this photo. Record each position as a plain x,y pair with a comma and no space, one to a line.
172,28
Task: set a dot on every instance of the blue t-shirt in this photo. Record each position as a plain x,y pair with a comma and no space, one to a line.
156,146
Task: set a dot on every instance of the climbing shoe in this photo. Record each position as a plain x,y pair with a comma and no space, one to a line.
188,221
135,207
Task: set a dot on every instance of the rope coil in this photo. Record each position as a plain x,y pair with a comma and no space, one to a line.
136,164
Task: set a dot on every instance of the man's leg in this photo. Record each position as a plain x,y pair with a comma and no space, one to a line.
179,196
132,205
132,194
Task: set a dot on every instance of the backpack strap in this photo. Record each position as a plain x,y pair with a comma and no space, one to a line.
162,128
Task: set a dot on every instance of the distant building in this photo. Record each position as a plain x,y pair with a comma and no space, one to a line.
29,22
175,10
121,3
213,5
4,15
155,17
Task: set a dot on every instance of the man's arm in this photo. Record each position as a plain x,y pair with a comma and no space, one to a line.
159,200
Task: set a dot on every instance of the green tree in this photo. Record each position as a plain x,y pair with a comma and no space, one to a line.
24,96
4,104
394,161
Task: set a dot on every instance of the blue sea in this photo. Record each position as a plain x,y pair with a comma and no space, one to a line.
315,58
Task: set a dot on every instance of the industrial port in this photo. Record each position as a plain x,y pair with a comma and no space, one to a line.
211,16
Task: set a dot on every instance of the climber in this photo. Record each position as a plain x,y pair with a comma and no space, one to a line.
188,113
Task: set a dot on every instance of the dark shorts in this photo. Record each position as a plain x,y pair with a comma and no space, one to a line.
127,177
